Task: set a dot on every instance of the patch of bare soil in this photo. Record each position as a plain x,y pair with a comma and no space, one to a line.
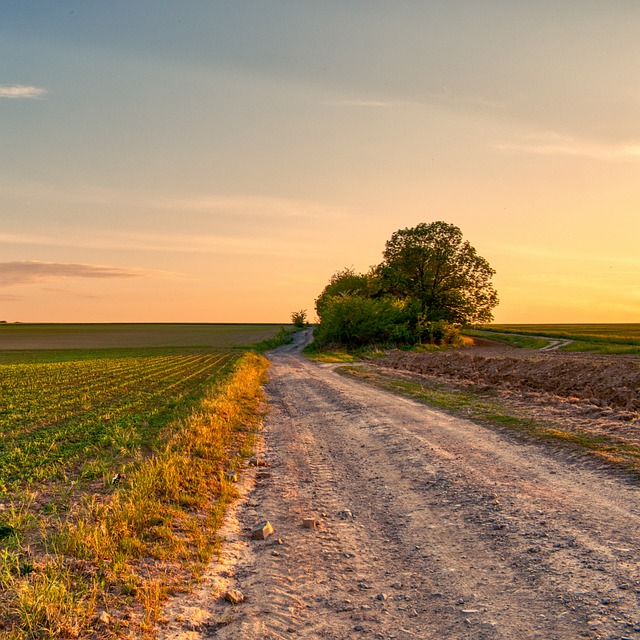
428,526
603,381
577,392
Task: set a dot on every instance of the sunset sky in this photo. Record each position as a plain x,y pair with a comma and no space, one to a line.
218,161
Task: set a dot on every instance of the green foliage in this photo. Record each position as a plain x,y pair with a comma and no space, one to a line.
345,282
432,265
440,332
299,319
352,319
282,337
122,545
430,282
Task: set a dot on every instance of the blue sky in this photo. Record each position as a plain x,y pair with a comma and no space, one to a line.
218,161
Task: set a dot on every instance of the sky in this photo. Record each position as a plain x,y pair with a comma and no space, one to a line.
218,161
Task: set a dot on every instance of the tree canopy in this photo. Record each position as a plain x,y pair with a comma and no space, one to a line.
430,281
432,265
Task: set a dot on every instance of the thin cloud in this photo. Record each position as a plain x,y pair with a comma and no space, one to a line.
359,103
443,98
253,205
461,100
240,204
170,243
22,272
69,293
602,260
554,145
21,92
27,239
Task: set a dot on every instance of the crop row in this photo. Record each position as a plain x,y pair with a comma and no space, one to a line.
58,416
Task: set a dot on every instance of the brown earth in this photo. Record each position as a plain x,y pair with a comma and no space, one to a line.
578,393
428,526
600,380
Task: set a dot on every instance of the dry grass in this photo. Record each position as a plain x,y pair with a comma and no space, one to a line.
104,568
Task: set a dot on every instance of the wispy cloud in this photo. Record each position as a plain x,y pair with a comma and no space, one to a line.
22,272
556,145
69,293
170,242
264,206
360,103
21,92
600,260
464,100
272,207
446,97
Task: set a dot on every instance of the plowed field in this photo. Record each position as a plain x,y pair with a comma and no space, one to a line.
599,380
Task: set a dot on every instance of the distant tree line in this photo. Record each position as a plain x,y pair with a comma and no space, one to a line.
430,282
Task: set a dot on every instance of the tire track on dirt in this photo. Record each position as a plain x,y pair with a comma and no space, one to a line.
428,527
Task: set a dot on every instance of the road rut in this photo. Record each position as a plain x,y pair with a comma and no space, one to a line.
429,526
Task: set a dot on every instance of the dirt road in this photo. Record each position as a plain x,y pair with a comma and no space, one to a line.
428,527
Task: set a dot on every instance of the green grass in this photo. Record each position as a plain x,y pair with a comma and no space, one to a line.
486,408
55,416
621,333
520,342
334,354
603,348
331,356
593,338
121,547
284,336
170,419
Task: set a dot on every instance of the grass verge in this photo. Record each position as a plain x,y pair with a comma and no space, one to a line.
520,342
104,568
337,354
283,336
612,339
603,348
485,408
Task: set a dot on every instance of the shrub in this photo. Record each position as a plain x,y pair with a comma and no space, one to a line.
440,332
299,319
354,320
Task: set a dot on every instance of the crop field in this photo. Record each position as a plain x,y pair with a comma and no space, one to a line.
122,336
110,456
87,414
593,338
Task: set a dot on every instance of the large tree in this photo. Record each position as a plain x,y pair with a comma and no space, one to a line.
433,267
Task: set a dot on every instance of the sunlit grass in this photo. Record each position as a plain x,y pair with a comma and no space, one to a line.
58,415
598,338
330,355
521,342
78,550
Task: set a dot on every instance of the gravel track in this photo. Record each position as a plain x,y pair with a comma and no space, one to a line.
429,526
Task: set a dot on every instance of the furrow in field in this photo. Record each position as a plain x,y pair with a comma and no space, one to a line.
117,413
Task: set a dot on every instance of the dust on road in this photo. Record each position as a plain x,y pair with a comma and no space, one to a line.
429,526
